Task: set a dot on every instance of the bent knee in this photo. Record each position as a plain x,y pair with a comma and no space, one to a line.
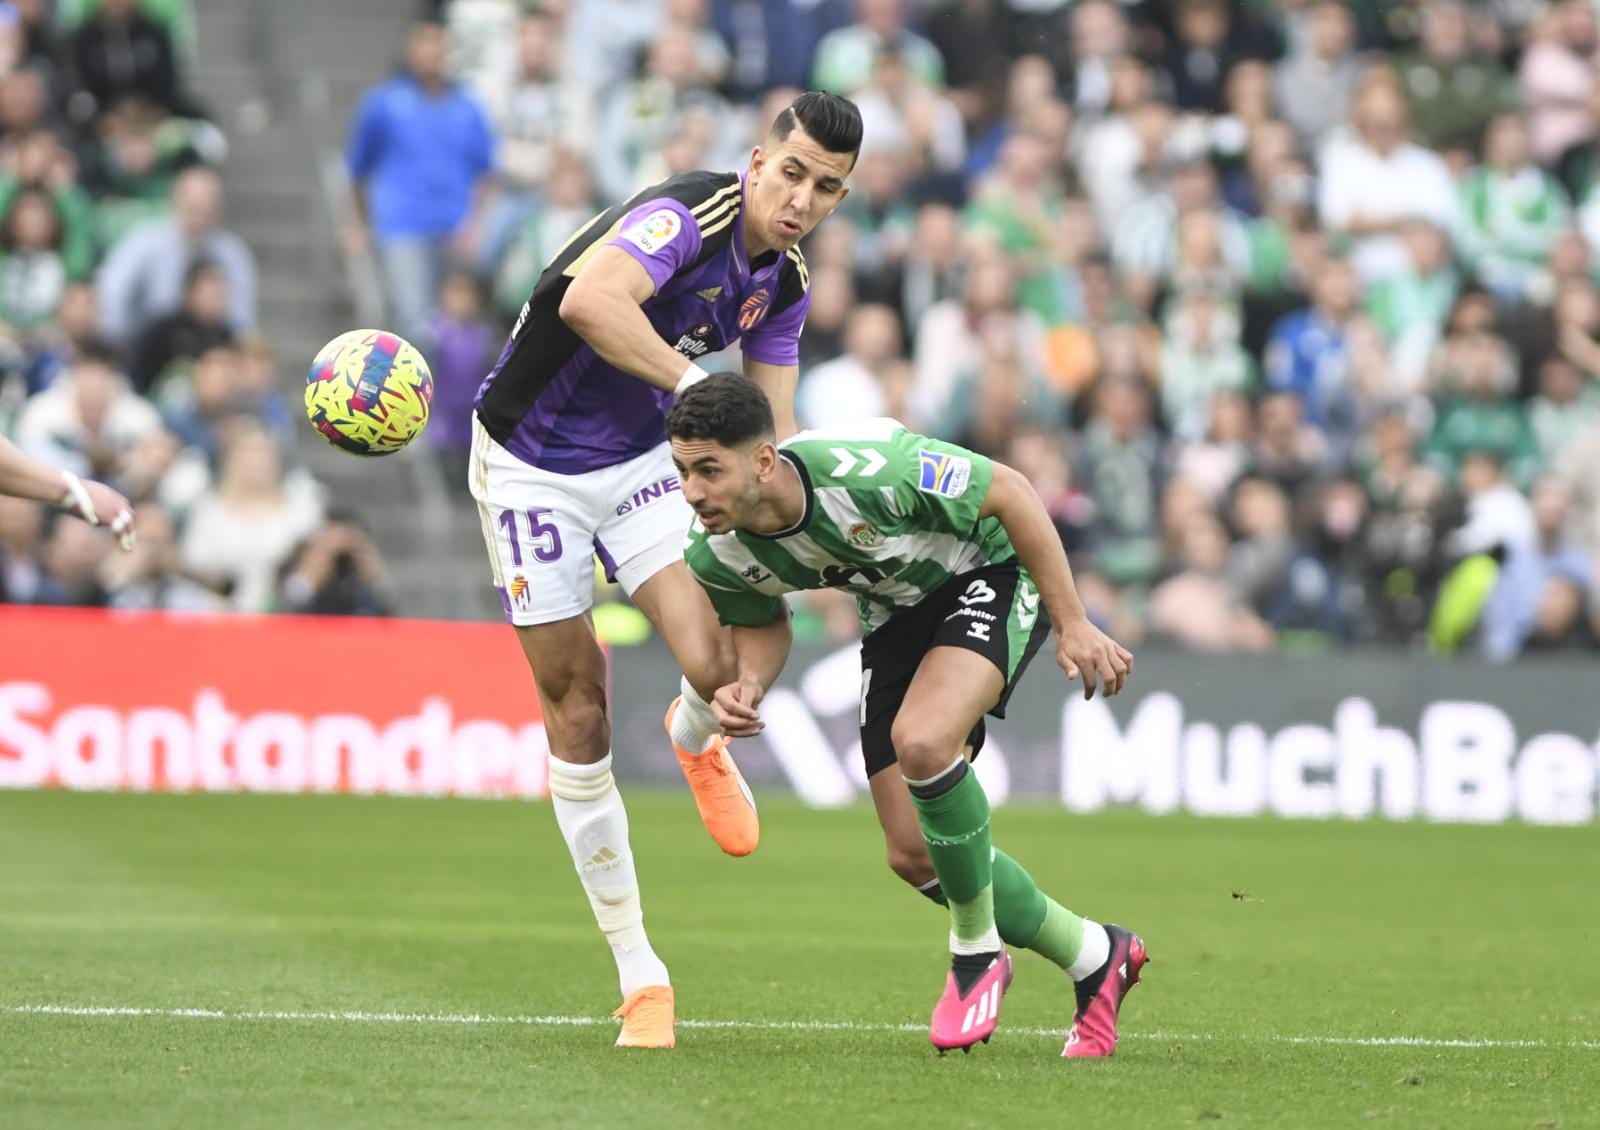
922,751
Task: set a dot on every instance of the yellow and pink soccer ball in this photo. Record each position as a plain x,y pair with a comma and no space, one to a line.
368,392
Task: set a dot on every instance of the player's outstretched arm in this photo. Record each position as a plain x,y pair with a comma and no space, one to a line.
603,305
23,476
762,653
1081,648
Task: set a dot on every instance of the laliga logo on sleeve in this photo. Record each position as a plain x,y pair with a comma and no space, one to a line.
655,231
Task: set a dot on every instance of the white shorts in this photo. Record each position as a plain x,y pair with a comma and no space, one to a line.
544,530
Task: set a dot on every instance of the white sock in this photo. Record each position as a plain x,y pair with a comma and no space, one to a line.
989,943
693,727
1096,948
595,824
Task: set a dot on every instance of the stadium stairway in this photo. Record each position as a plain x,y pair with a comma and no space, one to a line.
281,77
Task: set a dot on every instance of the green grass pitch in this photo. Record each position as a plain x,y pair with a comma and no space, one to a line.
380,963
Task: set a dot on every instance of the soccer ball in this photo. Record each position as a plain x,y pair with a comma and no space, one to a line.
368,392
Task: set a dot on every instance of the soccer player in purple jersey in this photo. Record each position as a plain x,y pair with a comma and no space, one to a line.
570,460
23,476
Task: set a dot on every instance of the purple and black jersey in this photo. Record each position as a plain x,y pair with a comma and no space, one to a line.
554,403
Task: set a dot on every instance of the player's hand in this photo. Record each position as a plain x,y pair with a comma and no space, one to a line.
1083,649
99,505
734,708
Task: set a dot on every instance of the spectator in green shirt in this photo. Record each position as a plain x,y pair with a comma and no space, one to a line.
1411,307
33,275
1018,207
1477,373
1453,92
39,161
1566,409
1512,212
846,57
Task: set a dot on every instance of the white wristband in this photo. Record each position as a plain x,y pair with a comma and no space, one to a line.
77,498
693,375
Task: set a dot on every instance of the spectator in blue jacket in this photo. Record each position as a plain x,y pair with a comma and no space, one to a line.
1306,352
420,154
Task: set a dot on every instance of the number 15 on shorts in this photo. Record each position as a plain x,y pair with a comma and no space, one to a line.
544,540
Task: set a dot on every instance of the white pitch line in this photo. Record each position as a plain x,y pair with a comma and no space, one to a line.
355,1017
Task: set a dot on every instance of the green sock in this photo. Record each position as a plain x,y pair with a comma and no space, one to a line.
1060,936
1030,918
954,814
1019,905
1026,917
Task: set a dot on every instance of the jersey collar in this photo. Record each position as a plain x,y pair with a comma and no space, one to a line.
805,489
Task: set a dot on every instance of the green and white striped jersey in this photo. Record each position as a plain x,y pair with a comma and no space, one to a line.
890,516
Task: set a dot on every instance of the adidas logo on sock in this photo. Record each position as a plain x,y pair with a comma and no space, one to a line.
603,860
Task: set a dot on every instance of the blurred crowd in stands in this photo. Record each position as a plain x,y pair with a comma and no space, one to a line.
129,345
1288,308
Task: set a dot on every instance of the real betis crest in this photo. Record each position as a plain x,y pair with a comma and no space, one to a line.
864,536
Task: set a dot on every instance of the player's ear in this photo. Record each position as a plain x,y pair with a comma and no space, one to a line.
757,159
766,460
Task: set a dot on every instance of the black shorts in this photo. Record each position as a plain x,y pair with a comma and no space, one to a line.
994,611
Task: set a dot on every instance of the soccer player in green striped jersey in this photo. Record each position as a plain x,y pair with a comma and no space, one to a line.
959,575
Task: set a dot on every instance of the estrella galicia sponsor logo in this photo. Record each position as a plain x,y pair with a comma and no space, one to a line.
698,341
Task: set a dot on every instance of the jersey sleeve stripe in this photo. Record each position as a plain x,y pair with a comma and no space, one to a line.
588,253
719,199
800,268
713,214
721,223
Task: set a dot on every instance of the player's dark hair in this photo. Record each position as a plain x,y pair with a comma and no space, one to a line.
832,122
727,408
